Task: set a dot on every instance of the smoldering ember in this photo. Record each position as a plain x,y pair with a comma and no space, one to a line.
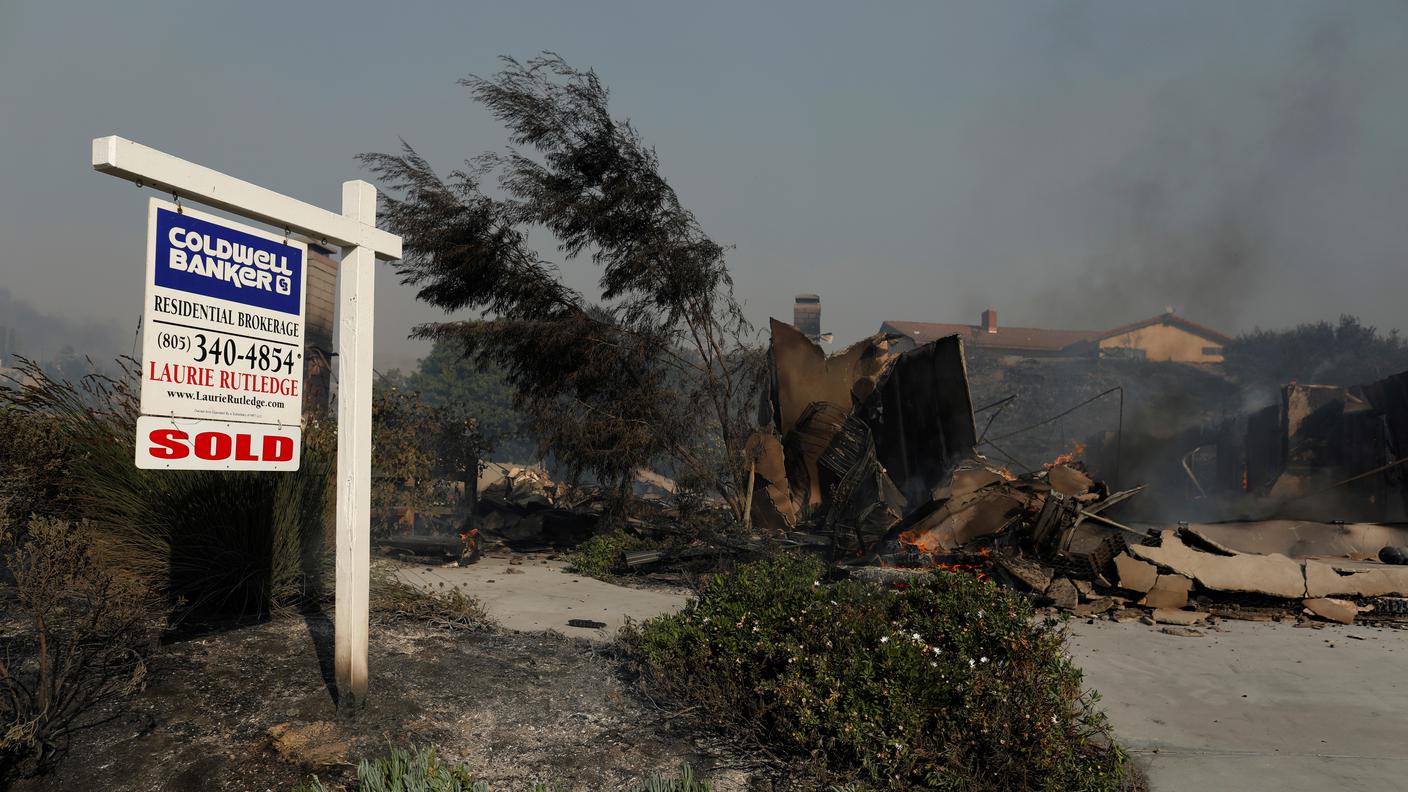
511,477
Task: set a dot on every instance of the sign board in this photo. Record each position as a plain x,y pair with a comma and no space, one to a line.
222,330
198,444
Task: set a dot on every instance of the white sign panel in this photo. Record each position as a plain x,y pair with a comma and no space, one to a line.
196,444
222,333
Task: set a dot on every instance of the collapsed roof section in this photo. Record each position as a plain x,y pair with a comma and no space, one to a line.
862,437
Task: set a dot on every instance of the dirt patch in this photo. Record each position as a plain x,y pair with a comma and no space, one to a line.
222,711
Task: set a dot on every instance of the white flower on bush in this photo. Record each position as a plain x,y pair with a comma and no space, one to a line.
884,639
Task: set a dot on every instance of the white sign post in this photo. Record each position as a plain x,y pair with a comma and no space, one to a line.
362,243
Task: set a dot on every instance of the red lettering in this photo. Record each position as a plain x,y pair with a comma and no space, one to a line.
278,448
212,445
242,448
167,443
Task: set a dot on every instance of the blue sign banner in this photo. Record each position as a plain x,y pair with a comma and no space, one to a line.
200,257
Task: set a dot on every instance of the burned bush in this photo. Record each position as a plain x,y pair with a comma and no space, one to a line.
75,639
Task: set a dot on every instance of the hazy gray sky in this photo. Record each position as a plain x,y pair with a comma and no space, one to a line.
1073,164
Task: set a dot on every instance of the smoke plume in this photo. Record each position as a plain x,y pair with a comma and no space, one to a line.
26,330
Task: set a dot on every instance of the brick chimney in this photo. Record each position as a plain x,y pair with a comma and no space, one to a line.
990,320
806,315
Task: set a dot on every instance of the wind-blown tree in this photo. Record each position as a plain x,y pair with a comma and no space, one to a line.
651,373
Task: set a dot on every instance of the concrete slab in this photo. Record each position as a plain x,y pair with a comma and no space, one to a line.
1254,706
539,594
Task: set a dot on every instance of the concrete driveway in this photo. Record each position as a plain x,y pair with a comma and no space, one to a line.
537,594
1255,706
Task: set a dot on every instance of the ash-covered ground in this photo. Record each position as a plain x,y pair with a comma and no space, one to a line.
516,707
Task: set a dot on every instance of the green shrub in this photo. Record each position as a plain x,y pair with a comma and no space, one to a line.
406,771
419,770
684,782
600,556
222,543
948,683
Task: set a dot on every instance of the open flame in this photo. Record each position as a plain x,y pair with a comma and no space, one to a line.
978,570
1077,448
917,541
928,550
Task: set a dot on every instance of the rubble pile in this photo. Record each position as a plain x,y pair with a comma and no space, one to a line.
871,454
1317,451
523,507
1161,399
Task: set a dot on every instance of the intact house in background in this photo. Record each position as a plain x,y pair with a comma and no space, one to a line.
1166,337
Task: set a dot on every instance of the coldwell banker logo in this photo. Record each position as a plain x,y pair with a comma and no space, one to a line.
193,255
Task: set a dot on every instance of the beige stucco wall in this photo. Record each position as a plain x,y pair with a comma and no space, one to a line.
1166,342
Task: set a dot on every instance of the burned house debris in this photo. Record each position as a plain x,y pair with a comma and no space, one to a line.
875,458
1319,452
871,454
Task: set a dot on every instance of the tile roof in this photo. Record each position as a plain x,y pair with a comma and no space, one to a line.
1035,339
1166,318
1031,339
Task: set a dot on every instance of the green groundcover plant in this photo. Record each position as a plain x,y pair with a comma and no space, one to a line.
420,770
600,556
945,683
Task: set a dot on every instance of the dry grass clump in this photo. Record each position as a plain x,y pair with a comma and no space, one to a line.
393,599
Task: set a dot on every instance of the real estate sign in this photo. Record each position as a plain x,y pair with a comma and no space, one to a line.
222,337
